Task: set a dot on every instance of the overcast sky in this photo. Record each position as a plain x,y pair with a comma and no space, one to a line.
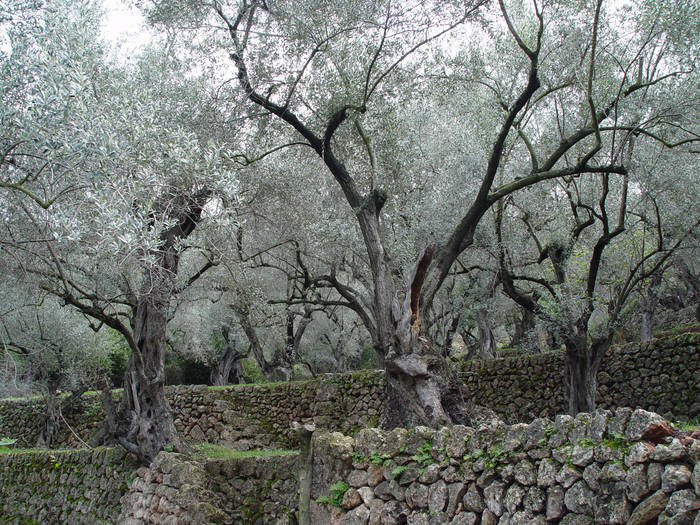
124,27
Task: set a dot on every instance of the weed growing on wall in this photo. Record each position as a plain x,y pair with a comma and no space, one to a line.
5,444
337,491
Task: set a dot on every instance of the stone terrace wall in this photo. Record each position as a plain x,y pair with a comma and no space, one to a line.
662,375
103,486
241,490
76,486
254,416
21,419
247,416
603,468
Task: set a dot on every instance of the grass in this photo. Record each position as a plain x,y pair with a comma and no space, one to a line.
209,451
261,383
61,395
693,424
8,450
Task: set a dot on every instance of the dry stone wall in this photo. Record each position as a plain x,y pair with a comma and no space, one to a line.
260,416
244,491
620,467
244,416
59,487
662,375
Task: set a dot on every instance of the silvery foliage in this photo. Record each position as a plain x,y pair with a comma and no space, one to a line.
42,342
433,119
108,151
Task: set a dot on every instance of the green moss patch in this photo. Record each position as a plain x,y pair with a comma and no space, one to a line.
210,451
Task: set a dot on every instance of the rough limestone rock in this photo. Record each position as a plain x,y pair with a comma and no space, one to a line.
675,477
611,504
591,474
640,423
568,475
547,473
456,492
667,454
417,496
534,501
581,456
637,486
655,472
638,453
493,497
464,518
657,432
680,509
351,499
524,473
649,509
437,500
472,500
555,503
579,498
357,516
513,498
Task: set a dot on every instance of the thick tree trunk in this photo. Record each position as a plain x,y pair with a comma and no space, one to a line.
221,369
582,365
415,387
649,302
144,414
243,315
421,389
523,326
48,428
228,362
487,343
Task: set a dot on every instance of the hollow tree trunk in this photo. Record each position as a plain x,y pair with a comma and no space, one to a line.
420,386
582,364
221,369
228,362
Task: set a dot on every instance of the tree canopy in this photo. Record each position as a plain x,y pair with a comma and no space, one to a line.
353,174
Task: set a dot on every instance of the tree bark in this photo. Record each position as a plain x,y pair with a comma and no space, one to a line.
487,343
523,326
649,302
146,424
48,428
582,364
227,362
143,424
243,315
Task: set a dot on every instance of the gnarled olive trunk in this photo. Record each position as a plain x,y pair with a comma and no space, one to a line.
421,389
51,417
582,364
228,362
144,414
143,424
487,342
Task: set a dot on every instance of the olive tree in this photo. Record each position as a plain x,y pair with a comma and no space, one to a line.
49,349
106,174
548,93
